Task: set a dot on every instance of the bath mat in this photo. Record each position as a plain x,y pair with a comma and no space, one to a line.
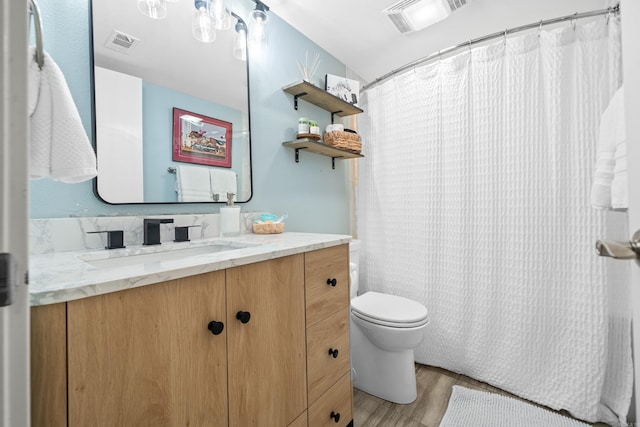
482,409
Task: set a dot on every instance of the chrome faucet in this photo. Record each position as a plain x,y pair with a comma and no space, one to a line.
152,230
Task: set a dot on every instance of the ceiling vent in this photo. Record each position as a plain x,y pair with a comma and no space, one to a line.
121,42
413,15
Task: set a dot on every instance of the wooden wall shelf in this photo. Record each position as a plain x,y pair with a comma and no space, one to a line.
320,148
321,98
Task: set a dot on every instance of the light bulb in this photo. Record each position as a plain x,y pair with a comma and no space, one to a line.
202,25
240,42
258,33
221,14
155,9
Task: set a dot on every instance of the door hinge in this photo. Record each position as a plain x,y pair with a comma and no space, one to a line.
6,282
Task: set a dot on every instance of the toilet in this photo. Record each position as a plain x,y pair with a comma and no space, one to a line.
384,331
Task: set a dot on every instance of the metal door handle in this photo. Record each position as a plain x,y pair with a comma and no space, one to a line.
620,250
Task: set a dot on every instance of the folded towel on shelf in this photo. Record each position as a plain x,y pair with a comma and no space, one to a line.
223,181
59,146
609,188
193,184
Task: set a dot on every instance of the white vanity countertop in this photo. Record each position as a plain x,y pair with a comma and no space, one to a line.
65,276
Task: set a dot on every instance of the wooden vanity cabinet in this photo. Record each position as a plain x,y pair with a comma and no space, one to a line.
146,356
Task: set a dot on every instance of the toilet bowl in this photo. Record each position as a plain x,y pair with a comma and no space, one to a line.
384,331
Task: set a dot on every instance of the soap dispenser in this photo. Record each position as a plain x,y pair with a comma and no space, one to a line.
230,218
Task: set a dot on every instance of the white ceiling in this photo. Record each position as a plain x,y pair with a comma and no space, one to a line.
359,35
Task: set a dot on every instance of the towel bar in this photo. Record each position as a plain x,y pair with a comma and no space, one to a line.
34,10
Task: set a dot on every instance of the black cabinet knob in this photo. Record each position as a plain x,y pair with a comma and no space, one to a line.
243,316
335,416
216,328
333,352
333,282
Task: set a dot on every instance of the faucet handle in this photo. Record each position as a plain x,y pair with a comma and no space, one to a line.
182,232
115,238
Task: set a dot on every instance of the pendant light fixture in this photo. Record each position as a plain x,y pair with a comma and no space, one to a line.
154,9
240,41
220,12
258,35
202,24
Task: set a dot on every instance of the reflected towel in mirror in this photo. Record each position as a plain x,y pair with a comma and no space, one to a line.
223,182
193,184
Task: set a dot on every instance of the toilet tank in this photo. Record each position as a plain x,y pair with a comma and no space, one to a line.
354,266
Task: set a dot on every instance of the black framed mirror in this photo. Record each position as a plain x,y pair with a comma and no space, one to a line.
144,71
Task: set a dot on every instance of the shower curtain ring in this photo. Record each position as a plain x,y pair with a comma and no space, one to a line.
540,28
505,36
469,45
574,20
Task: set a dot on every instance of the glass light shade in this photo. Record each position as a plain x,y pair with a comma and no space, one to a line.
155,9
258,36
240,42
220,13
202,25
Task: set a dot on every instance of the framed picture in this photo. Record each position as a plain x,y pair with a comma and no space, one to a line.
200,139
346,89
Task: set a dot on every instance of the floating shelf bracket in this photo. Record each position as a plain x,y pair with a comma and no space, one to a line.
295,100
333,161
333,113
298,153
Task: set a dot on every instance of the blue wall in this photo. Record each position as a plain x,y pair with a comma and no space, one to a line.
315,196
158,103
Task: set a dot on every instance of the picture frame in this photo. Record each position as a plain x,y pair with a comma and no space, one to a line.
346,89
201,139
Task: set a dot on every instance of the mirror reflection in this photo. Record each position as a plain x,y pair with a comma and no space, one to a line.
154,80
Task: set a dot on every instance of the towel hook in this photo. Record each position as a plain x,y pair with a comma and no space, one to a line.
34,10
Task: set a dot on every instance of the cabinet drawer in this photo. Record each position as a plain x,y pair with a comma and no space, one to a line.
336,402
322,267
323,369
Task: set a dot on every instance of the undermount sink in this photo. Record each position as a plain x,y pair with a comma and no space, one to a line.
125,257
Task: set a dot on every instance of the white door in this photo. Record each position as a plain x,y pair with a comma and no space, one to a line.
14,318
631,69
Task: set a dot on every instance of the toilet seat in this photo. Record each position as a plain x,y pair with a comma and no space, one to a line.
389,310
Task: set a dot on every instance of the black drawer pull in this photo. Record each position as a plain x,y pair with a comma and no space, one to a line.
335,416
333,352
332,282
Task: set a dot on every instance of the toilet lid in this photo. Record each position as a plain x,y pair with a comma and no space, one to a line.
389,309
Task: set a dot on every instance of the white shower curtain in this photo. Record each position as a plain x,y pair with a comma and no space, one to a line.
473,199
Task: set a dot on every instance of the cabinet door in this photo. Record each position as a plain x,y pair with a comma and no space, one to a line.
49,365
267,356
144,356
327,282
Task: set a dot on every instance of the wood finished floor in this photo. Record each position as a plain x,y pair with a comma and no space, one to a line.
434,389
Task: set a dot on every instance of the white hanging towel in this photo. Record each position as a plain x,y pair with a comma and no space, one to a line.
222,182
193,184
59,146
609,188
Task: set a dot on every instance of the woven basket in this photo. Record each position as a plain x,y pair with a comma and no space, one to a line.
268,228
343,140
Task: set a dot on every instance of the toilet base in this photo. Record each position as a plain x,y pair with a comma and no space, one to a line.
389,375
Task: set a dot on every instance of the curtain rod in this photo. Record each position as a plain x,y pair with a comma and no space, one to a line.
615,9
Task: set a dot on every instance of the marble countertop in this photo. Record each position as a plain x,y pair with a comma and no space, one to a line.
67,276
